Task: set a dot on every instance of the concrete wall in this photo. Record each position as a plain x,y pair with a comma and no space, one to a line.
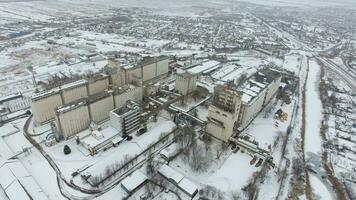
162,67
100,109
73,94
272,89
73,121
98,86
149,72
220,123
250,111
44,109
116,121
184,85
135,94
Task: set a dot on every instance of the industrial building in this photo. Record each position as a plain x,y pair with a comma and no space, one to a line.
178,180
97,83
95,139
257,92
185,82
43,104
149,69
13,103
75,105
234,108
95,108
127,92
127,118
134,181
73,91
224,111
17,183
72,118
100,105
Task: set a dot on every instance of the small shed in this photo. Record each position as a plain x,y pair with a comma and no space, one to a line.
134,181
179,180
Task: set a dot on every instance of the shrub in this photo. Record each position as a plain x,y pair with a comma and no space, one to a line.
67,150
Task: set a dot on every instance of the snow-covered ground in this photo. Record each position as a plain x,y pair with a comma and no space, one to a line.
313,141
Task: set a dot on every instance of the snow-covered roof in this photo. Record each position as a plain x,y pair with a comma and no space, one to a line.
70,106
169,151
10,97
8,129
245,98
182,182
45,94
249,92
133,181
205,66
74,84
18,183
170,173
188,186
108,134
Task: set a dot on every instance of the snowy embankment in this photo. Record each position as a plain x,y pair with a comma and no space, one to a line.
313,140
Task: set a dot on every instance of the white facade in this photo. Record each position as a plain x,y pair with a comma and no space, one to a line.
185,83
126,119
149,71
162,67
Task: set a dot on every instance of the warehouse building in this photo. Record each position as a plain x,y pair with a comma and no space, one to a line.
13,103
224,111
178,180
257,92
133,182
16,183
126,119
